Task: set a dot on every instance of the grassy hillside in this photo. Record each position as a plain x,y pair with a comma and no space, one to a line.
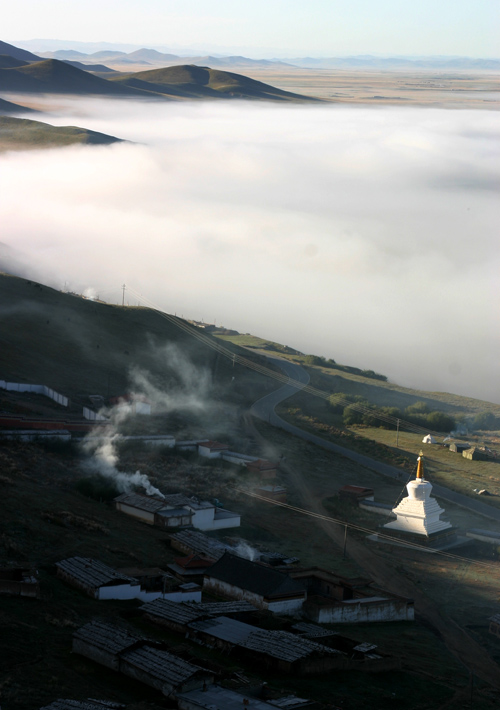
54,76
202,82
17,53
78,346
24,134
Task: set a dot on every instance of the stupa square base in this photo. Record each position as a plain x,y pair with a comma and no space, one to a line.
442,540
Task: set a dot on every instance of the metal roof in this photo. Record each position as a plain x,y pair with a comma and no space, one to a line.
93,573
284,646
309,630
162,665
167,610
90,704
151,504
218,698
224,628
187,612
201,544
107,637
222,608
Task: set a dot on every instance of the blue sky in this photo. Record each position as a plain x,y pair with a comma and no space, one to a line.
268,27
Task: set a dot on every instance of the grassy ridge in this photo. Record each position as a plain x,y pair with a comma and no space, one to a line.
22,134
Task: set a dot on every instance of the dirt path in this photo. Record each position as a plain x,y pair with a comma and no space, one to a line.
473,656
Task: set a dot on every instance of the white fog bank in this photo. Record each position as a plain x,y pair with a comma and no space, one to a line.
367,235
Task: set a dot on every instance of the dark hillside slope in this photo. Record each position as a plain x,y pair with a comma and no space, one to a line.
8,62
9,107
23,54
21,134
79,346
203,82
53,76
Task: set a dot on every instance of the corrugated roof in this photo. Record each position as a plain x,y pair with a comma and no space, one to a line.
167,610
216,697
201,544
162,665
253,577
309,630
151,504
89,704
187,612
284,646
92,573
107,637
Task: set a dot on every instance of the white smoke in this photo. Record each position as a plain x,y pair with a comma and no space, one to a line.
101,447
243,549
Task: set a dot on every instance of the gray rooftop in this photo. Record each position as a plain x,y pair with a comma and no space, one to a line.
166,610
309,630
202,544
224,628
284,646
92,572
162,665
107,637
89,704
222,699
150,504
187,612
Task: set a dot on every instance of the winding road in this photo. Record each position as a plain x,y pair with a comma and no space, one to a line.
264,409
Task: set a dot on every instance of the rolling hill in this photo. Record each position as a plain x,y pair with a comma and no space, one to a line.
17,53
192,81
53,76
9,107
24,134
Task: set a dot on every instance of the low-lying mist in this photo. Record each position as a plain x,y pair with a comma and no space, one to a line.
367,235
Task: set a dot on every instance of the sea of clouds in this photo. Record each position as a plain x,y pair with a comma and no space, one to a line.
369,235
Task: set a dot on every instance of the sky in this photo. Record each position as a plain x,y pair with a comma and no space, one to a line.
368,235
268,27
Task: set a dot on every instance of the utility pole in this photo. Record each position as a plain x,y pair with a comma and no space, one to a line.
397,434
123,296
345,542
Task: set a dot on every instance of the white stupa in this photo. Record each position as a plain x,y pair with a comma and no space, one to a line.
419,513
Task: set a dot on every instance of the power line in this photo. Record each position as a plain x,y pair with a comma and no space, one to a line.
359,528
397,422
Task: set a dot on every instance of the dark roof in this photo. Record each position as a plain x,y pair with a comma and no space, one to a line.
162,665
194,561
149,503
201,544
92,573
186,612
253,577
284,646
107,637
214,445
224,628
90,704
164,609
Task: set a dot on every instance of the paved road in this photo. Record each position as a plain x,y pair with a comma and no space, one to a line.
264,409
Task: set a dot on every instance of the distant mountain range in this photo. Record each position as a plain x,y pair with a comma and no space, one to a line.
123,54
22,72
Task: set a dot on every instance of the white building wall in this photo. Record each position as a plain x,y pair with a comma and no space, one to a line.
207,453
356,612
36,389
219,524
282,606
203,518
143,515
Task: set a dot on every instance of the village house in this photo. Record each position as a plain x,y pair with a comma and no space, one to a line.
191,568
263,469
220,698
146,661
19,582
136,403
263,586
176,510
178,617
101,582
211,449
191,542
277,493
336,600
